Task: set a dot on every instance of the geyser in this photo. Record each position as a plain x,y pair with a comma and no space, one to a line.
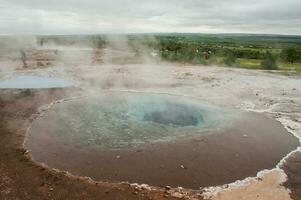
174,114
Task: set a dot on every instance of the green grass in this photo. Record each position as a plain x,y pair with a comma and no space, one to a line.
248,63
289,66
276,50
256,64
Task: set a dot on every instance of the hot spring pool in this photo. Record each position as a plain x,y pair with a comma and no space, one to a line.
156,139
33,82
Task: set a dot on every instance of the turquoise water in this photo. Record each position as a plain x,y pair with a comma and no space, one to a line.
121,120
32,82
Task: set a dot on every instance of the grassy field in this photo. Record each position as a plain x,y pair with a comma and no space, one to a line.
245,51
250,51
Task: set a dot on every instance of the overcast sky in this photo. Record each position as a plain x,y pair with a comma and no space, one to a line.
120,16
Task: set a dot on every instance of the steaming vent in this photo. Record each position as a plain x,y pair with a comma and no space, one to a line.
175,114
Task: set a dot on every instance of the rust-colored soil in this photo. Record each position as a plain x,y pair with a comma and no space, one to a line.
293,170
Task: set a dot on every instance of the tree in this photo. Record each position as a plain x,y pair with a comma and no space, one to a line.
229,59
269,62
290,55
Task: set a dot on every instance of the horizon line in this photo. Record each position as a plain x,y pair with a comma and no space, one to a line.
155,33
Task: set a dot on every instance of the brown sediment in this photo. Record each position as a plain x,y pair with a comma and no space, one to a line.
239,150
292,168
21,178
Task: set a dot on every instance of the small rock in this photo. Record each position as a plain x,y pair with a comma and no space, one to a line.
145,187
167,192
180,188
118,157
177,195
167,187
199,194
183,167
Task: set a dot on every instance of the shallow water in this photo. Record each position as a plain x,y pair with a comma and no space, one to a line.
32,82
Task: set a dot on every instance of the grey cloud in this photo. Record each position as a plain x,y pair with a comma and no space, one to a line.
99,16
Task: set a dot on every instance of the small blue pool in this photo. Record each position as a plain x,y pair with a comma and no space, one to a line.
34,82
